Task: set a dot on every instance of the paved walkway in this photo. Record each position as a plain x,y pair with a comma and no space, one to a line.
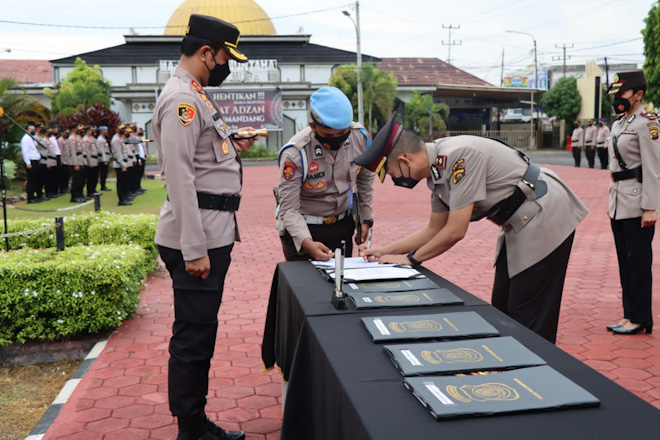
124,395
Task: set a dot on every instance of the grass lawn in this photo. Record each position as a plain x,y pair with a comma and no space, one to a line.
148,203
26,392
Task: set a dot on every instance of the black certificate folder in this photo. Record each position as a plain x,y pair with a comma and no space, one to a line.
415,298
528,389
461,356
429,326
389,286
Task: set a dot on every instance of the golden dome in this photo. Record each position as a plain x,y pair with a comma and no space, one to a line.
246,15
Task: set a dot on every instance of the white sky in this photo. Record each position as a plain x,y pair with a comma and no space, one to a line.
413,28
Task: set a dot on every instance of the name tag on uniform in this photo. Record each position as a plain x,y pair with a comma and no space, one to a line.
628,132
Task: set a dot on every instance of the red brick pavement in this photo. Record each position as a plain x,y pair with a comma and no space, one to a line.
124,395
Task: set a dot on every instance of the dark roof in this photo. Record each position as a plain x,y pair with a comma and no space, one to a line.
150,50
428,71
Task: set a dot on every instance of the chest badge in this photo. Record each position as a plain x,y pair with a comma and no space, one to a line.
225,147
313,167
186,113
318,151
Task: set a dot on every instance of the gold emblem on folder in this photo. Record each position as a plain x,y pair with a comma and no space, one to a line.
451,356
484,392
397,298
425,325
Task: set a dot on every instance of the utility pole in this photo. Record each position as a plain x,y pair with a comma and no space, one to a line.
356,23
502,70
564,47
449,42
607,74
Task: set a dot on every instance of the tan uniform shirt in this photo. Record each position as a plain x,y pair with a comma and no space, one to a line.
76,150
484,172
102,147
64,148
637,140
603,134
42,147
322,186
577,139
121,161
92,151
590,136
196,155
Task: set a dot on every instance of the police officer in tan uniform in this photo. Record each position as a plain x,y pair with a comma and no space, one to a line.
104,156
318,179
121,164
590,135
77,166
601,143
471,178
634,150
577,142
197,226
91,147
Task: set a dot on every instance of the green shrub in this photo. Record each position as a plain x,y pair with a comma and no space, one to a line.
89,228
10,171
46,294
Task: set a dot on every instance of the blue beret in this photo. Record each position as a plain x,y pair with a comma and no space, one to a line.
331,108
103,127
603,120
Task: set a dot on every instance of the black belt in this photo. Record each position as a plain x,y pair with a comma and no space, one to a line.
600,143
635,173
502,211
218,202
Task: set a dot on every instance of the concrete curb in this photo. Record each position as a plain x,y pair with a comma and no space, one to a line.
65,393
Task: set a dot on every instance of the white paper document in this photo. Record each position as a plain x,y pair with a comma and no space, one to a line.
378,273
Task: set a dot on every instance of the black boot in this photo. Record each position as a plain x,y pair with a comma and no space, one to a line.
191,427
221,434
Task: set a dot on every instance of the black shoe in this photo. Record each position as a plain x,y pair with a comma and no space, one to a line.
34,201
141,191
621,330
125,203
78,200
105,189
221,434
611,328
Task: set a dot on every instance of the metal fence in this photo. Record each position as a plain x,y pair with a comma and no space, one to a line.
515,138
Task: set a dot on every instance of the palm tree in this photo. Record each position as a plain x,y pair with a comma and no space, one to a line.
20,107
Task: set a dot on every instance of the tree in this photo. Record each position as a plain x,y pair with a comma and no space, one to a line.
606,102
651,35
417,115
19,106
96,115
378,92
84,85
563,100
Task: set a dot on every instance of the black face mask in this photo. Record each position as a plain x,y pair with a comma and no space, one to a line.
406,182
33,132
332,143
219,73
621,105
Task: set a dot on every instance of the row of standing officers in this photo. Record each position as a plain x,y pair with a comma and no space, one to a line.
77,159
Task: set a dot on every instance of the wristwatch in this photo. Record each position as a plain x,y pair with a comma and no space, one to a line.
412,259
369,223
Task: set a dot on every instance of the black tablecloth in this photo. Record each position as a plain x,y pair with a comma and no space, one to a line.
344,387
299,291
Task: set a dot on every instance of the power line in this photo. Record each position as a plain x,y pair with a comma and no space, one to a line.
450,43
25,23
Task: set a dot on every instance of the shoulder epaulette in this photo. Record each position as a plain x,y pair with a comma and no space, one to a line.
650,116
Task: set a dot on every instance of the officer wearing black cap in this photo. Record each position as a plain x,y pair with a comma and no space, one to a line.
471,178
634,151
318,179
197,225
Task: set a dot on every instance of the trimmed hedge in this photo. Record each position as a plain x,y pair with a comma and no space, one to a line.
45,294
86,229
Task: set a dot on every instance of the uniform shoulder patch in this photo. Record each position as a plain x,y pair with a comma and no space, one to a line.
440,162
186,112
289,170
458,171
650,116
653,131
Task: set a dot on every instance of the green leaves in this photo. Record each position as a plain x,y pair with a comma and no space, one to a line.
50,295
417,115
563,100
651,35
83,86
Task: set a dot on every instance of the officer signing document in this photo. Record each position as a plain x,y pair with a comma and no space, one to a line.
197,226
471,178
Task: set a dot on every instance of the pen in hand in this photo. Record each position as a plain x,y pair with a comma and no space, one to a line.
369,234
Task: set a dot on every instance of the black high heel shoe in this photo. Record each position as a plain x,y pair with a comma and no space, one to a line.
613,326
621,330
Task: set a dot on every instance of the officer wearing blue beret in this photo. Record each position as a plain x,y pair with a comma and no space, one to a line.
318,180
